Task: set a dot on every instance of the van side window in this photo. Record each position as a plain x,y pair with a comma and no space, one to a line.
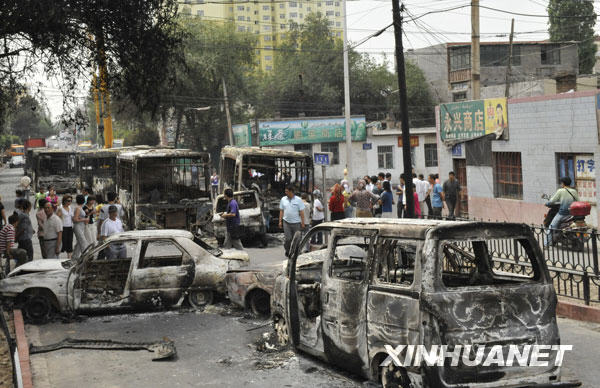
395,261
350,258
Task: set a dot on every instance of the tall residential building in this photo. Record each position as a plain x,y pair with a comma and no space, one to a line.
268,18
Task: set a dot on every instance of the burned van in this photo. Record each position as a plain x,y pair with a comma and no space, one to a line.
252,220
56,167
379,287
98,168
164,188
267,171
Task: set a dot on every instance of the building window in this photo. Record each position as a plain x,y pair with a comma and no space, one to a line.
266,18
281,5
241,18
293,14
338,24
266,28
282,27
329,3
337,3
431,157
281,16
508,175
266,7
337,14
460,58
293,4
241,8
334,149
550,54
330,23
268,68
459,96
304,148
308,9
268,58
497,55
301,16
338,34
328,13
200,12
581,168
267,38
385,157
318,4
241,28
199,1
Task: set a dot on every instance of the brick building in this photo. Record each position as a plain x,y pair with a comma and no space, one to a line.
548,137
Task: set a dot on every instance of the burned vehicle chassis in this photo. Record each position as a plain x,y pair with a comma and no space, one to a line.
58,168
164,189
417,282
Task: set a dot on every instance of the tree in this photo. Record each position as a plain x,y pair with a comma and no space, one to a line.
574,20
68,38
308,78
30,119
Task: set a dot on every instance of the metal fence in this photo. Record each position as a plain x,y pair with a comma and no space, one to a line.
572,262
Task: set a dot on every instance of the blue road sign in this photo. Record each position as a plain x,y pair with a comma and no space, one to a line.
322,158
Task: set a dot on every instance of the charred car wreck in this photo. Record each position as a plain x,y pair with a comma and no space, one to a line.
418,282
251,289
252,220
164,188
267,171
58,168
132,270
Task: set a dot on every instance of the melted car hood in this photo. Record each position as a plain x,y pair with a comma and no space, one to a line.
234,254
44,265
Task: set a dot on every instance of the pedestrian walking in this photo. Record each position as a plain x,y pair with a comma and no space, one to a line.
318,216
451,190
24,232
400,193
18,198
53,230
336,203
111,197
232,222
113,225
386,200
363,199
91,232
41,193
291,216
307,215
80,222
422,187
25,185
214,184
52,197
86,191
436,198
66,214
368,184
3,220
40,216
430,184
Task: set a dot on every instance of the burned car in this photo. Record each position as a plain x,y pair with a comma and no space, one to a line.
252,221
384,283
164,188
56,167
268,171
131,270
251,289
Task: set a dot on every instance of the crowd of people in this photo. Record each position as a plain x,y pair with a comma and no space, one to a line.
63,227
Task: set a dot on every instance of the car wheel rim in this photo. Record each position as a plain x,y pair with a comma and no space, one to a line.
38,309
200,298
260,304
281,330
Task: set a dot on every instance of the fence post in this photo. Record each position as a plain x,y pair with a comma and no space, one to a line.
586,288
595,251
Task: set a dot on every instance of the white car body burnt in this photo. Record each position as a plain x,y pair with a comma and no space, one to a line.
144,278
418,282
252,220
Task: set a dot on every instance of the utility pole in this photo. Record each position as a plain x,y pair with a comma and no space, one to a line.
475,68
347,101
229,127
510,58
406,156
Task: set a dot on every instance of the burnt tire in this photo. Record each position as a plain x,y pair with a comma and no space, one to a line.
393,376
282,331
259,302
200,298
37,309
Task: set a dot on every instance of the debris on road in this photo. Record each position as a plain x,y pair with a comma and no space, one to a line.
162,350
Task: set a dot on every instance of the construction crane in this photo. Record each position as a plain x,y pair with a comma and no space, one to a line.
102,97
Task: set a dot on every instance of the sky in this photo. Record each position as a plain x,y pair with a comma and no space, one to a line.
365,17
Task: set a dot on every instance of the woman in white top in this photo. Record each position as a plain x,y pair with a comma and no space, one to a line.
80,222
318,216
66,214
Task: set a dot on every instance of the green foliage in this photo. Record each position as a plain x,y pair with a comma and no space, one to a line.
6,140
308,77
30,119
574,20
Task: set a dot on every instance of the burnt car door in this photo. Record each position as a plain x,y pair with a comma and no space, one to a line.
344,297
162,273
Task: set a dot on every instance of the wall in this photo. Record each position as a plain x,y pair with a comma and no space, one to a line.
539,128
433,60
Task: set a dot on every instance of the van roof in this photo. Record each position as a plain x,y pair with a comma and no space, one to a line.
163,153
260,151
418,228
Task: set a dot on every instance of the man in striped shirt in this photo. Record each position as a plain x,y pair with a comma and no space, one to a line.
7,239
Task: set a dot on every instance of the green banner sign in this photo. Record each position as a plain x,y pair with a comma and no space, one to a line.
466,120
242,135
322,130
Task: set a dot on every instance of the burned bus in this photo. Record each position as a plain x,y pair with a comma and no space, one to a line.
164,188
55,167
98,168
267,171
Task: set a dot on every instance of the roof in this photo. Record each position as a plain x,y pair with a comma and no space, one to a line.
418,228
162,153
238,151
111,151
55,151
523,42
152,233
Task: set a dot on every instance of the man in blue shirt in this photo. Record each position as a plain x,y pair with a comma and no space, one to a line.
436,197
232,222
291,216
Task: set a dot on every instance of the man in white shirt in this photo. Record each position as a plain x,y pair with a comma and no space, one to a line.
111,226
422,190
318,216
104,211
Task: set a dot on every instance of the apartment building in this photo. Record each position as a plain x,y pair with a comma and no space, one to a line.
267,18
